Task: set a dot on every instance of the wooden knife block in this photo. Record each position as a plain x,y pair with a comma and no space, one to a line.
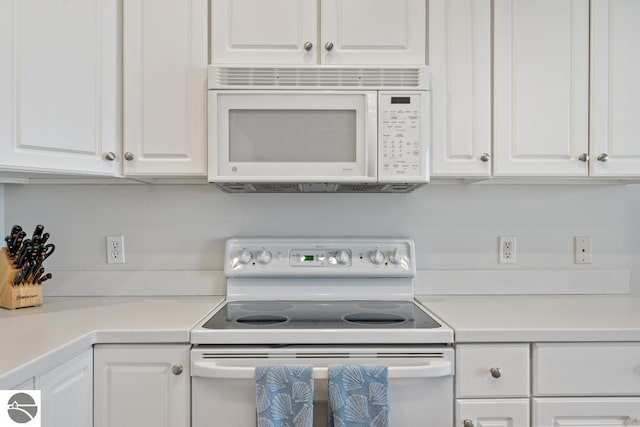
16,296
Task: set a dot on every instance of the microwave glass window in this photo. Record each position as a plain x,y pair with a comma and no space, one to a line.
261,136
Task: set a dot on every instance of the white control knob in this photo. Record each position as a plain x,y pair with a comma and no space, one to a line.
343,257
376,257
395,257
244,257
263,257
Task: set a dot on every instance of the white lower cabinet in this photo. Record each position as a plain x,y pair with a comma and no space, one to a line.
29,384
142,385
586,412
571,382
492,385
492,412
66,393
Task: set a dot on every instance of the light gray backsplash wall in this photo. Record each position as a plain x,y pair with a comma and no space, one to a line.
2,225
183,227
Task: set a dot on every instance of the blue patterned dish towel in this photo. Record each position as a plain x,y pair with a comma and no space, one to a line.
284,396
358,396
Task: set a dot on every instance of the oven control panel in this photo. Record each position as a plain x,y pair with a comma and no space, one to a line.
319,257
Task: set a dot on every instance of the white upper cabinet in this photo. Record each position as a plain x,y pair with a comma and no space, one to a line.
164,77
460,61
59,86
373,32
311,32
541,87
263,32
615,88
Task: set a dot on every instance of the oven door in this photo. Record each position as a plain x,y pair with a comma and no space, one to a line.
292,136
223,385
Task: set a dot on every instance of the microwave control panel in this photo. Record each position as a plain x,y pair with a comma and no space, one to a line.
403,136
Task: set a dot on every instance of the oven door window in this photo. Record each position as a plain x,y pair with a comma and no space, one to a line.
295,136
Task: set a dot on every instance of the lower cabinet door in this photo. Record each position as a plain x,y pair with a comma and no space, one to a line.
138,385
492,412
586,411
28,384
66,393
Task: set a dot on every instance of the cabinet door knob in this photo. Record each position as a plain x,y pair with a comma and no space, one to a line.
603,157
129,156
177,369
584,157
328,46
485,157
111,156
308,46
495,372
467,423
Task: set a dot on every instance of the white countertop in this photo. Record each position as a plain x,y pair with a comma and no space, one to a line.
529,318
35,339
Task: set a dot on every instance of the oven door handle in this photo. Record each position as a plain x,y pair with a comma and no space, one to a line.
440,368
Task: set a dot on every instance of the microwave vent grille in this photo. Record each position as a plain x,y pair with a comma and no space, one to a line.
360,188
277,187
230,77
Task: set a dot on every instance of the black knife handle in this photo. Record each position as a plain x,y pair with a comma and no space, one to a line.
16,241
48,250
22,254
45,278
37,276
38,231
45,237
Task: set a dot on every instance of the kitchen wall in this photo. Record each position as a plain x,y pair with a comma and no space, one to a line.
2,226
171,229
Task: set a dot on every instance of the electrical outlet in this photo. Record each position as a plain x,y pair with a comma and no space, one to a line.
115,249
582,249
507,250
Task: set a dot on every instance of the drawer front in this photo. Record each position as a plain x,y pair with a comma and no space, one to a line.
585,411
584,369
492,412
497,370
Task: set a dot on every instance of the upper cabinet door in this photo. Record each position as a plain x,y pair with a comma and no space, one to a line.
373,32
541,87
460,61
615,88
164,78
59,86
264,32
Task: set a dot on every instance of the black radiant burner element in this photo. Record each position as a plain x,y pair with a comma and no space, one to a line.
314,315
261,320
374,318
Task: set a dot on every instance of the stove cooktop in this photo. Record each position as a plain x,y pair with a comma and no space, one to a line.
282,315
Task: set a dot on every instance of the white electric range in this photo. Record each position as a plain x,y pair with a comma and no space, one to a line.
321,302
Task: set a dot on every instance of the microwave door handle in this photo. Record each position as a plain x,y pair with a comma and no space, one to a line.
440,368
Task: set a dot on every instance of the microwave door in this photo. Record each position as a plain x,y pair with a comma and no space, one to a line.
294,136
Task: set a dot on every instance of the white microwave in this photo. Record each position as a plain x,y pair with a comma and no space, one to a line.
318,129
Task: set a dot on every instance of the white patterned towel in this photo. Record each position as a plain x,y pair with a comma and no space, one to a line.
284,396
358,396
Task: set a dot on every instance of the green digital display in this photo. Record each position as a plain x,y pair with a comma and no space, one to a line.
309,258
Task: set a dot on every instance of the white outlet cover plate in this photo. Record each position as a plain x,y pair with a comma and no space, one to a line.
582,250
507,250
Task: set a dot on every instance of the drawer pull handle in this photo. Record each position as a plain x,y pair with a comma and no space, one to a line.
467,423
496,373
